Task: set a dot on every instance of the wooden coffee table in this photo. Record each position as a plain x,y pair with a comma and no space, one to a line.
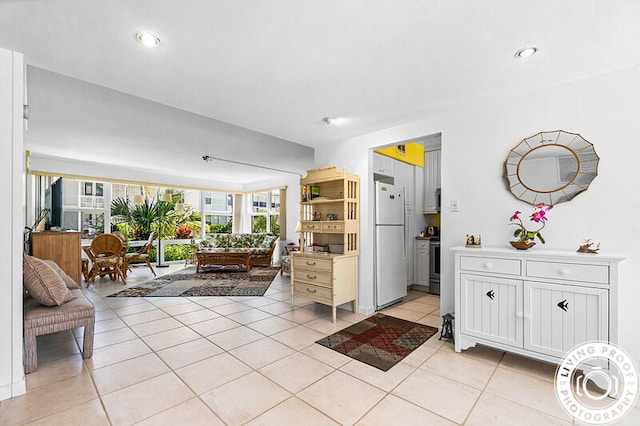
217,259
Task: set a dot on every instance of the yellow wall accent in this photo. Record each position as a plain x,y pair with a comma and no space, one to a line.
414,153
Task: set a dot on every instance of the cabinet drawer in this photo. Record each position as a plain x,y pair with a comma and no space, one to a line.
313,277
311,226
490,264
311,264
312,291
333,227
598,274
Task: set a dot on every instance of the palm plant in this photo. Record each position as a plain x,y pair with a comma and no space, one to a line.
140,218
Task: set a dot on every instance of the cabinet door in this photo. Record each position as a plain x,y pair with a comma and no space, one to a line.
382,164
431,180
491,309
421,263
559,317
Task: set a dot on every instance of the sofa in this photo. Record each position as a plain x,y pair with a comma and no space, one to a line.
261,245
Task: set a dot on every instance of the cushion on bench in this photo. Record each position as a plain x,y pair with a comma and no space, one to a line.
37,315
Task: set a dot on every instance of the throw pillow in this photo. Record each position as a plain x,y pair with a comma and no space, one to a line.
268,240
69,282
220,240
43,283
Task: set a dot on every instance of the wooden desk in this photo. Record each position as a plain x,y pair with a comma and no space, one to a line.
64,248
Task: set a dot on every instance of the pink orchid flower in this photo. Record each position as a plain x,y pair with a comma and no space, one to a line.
515,216
538,216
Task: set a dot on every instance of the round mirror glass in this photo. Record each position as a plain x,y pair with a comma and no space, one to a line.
550,167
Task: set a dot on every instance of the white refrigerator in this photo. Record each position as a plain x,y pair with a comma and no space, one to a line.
390,260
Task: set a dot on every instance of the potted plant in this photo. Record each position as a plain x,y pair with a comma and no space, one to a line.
527,237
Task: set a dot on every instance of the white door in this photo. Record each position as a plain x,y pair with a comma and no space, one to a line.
492,308
390,266
560,317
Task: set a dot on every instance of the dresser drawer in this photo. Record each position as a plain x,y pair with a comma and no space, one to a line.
330,227
598,274
311,226
313,277
491,264
312,291
311,264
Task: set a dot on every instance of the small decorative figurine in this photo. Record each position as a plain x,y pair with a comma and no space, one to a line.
586,247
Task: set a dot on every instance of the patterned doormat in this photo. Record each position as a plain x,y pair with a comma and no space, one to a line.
380,341
212,283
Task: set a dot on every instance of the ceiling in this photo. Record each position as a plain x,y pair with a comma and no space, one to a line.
278,67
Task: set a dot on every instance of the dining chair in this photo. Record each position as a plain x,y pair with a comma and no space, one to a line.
141,257
125,248
105,255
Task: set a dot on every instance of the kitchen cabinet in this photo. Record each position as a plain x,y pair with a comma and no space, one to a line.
383,165
421,262
331,221
538,304
431,181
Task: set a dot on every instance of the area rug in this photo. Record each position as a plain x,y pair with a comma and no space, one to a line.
380,340
211,283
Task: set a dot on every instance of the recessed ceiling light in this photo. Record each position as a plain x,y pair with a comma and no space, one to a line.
525,52
147,39
330,121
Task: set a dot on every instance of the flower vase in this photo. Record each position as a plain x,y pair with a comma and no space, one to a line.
523,244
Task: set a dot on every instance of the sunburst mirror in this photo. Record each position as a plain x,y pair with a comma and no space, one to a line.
550,167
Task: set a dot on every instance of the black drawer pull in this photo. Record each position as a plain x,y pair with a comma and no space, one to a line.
491,294
311,263
564,305
311,291
311,277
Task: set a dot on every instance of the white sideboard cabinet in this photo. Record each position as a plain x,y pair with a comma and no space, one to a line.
538,303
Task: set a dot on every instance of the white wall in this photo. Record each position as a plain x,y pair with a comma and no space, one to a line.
12,381
475,141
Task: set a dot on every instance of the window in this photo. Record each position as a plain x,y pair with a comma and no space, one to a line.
73,204
126,191
91,194
265,212
218,211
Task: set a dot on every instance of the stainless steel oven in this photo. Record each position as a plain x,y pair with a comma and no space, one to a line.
434,267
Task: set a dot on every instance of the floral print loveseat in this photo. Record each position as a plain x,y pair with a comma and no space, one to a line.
260,245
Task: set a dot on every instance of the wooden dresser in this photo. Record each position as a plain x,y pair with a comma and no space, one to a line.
330,279
64,248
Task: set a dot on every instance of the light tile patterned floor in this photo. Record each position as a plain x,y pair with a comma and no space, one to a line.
253,360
